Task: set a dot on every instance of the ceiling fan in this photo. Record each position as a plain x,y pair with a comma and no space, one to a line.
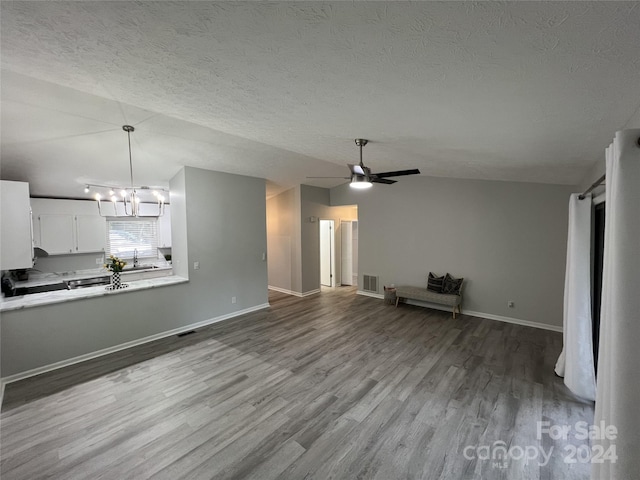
362,177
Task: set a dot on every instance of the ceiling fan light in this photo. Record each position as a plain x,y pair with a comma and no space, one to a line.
360,182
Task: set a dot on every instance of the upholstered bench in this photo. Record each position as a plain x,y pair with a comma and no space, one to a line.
453,300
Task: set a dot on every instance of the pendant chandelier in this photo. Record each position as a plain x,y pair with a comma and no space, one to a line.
126,201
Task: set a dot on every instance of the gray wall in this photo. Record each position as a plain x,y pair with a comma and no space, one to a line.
66,263
507,239
224,216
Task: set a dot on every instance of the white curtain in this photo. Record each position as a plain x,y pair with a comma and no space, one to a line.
618,383
575,363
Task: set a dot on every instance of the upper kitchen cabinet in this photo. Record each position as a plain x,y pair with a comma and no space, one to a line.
63,227
91,233
164,228
56,233
16,233
164,222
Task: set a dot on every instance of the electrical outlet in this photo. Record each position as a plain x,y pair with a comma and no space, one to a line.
99,261
196,265
510,304
233,299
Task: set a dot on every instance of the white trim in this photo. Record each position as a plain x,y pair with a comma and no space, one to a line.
291,292
370,294
123,346
516,321
310,292
488,316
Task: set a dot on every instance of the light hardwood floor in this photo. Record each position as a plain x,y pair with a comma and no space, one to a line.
330,386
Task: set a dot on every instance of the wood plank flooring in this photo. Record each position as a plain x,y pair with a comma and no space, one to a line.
334,385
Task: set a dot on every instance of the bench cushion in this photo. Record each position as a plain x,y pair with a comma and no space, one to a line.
419,293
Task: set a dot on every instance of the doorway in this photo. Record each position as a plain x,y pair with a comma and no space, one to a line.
327,249
598,268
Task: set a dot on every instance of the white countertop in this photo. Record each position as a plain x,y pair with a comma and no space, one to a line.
37,279
60,296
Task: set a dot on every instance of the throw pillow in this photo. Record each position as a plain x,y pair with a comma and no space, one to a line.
451,285
434,283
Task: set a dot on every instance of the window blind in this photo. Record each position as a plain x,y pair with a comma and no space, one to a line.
129,235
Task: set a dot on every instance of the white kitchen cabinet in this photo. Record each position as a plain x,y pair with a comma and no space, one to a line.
164,228
91,233
16,231
63,227
56,234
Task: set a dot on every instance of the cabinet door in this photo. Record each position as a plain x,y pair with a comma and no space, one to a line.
91,233
15,235
56,234
164,228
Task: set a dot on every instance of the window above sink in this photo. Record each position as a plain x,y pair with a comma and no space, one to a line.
129,237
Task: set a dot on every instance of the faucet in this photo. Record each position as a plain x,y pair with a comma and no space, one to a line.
135,257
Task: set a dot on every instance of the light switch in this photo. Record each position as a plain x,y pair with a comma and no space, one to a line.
196,265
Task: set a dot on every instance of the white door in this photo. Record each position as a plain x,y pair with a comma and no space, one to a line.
346,249
326,253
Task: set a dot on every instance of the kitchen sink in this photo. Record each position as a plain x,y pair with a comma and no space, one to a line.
140,267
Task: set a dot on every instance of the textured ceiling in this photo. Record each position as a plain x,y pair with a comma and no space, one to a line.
524,91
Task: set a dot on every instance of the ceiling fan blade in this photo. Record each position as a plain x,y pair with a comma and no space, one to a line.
398,173
357,169
345,178
382,180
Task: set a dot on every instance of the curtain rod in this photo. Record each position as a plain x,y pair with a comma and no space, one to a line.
597,183
600,181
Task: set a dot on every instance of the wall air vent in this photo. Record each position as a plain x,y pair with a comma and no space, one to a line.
370,283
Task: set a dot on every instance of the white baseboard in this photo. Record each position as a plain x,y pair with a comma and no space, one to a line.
517,321
371,294
291,292
123,346
311,292
488,316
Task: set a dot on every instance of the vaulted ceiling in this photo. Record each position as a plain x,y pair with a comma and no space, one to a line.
519,91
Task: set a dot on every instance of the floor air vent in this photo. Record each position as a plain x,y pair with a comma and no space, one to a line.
370,283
